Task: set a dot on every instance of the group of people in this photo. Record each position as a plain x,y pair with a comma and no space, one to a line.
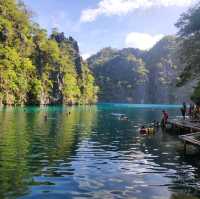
155,124
193,111
149,130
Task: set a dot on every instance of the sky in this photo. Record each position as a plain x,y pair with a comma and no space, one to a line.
97,24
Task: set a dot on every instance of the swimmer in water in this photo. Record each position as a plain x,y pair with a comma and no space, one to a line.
68,113
143,130
124,118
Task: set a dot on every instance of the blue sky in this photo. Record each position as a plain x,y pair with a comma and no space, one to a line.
96,24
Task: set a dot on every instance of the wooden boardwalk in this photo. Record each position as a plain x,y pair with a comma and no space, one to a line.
193,126
184,127
192,138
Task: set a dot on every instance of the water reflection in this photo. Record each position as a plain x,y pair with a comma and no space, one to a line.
31,147
91,154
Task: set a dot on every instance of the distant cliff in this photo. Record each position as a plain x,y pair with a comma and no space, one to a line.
134,76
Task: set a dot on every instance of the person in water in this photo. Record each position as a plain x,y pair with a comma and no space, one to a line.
156,124
45,117
184,110
68,113
143,130
123,117
164,118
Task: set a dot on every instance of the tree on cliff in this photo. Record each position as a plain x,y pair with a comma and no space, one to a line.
36,69
189,33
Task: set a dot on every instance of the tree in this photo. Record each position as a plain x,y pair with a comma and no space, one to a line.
189,51
189,35
35,68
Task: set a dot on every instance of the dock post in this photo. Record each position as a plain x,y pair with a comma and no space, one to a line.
185,147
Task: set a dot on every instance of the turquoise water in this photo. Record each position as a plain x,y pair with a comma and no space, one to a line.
92,154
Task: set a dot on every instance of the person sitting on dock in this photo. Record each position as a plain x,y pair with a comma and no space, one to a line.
164,119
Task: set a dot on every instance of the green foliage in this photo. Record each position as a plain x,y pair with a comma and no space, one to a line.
117,75
142,71
131,75
15,73
196,94
189,27
35,69
87,88
189,34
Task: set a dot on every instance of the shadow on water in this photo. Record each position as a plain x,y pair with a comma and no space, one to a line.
92,154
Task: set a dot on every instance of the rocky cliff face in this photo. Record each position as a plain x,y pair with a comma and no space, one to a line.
36,69
135,76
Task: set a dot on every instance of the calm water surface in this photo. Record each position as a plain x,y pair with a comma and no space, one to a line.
92,154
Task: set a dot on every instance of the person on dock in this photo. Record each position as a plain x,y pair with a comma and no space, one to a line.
191,111
184,110
164,119
196,113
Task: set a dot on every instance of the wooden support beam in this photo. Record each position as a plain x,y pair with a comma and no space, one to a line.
185,147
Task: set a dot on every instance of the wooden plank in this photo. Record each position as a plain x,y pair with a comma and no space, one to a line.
191,138
185,124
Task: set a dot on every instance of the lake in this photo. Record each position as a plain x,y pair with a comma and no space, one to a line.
90,153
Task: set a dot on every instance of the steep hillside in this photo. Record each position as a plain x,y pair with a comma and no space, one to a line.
131,75
119,74
37,69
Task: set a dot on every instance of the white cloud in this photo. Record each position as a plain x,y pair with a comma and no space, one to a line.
90,15
122,7
85,55
142,41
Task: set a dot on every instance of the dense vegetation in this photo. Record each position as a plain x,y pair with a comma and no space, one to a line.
117,73
36,68
131,75
189,49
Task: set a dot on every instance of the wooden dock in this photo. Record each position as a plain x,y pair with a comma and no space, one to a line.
192,126
189,130
192,138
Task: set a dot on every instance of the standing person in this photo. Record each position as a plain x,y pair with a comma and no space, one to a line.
184,110
194,115
164,118
191,110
